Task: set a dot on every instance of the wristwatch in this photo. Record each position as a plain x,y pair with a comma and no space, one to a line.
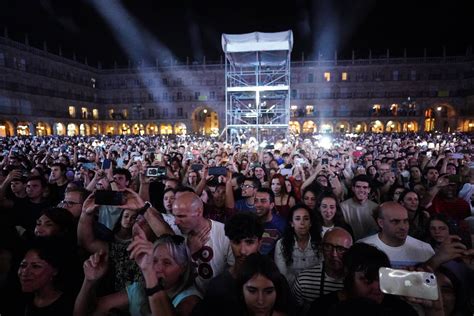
149,291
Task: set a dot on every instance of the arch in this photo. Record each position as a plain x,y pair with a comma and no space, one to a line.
294,127
205,121
6,129
111,129
124,129
84,129
180,128
166,129
467,126
410,126
309,127
326,127
95,129
152,129
359,127
393,126
23,128
59,129
72,129
376,126
444,110
42,129
138,129
343,127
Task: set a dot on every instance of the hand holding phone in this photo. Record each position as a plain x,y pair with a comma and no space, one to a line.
107,197
408,283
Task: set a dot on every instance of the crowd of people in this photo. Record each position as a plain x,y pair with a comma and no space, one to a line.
185,225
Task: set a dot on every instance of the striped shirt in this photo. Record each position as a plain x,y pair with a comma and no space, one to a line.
307,286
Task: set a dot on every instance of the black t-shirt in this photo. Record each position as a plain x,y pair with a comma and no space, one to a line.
25,213
63,306
330,304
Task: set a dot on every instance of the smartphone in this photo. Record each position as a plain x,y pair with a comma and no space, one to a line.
285,172
106,164
408,283
255,165
429,154
457,156
217,171
155,171
88,165
107,197
137,158
196,167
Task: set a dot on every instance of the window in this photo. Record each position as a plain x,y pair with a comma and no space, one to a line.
22,64
412,74
395,75
179,96
151,113
84,113
165,96
310,78
212,95
179,112
2,59
125,113
111,113
93,82
196,95
165,112
179,81
95,114
309,110
294,93
72,111
165,81
151,97
327,76
344,76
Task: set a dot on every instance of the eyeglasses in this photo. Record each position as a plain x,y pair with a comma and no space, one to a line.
69,203
176,239
330,248
246,186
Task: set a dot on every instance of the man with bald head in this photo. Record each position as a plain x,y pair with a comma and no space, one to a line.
208,245
327,276
393,239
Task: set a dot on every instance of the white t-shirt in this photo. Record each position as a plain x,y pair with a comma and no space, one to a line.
412,252
213,258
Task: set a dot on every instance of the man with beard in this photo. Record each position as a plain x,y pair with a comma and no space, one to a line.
327,276
245,234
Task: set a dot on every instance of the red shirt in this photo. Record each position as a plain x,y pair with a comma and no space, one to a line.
456,209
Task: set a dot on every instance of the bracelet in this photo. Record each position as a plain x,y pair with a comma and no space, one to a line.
153,290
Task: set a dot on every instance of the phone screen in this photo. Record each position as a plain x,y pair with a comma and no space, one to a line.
105,197
217,171
106,164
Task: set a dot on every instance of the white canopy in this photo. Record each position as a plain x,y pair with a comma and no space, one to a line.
257,41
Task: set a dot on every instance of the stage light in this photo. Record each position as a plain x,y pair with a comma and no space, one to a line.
325,142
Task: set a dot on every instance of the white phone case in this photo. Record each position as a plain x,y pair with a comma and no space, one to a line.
408,283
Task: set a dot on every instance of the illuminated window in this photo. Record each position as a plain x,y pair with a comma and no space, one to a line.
327,76
344,76
95,114
93,82
309,109
84,113
125,113
72,111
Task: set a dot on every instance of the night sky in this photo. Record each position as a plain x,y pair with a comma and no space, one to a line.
193,28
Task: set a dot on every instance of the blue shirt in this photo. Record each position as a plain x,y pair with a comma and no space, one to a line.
273,230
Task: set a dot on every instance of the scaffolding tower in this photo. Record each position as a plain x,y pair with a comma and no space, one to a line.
257,78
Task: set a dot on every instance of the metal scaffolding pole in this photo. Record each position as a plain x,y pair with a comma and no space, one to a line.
257,79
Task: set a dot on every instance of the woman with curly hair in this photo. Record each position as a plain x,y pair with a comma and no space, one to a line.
298,248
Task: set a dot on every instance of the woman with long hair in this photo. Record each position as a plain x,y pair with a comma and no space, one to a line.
262,288
328,214
298,248
283,201
417,217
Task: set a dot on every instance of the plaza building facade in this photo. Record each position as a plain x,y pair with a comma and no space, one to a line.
45,93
